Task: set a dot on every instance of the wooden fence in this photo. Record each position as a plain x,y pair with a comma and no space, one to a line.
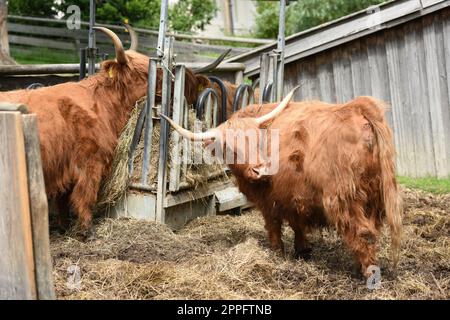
25,265
31,32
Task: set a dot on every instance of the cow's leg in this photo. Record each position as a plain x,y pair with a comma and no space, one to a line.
361,236
63,214
84,194
301,246
273,226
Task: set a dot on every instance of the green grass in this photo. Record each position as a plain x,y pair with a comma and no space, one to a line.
209,54
429,184
32,55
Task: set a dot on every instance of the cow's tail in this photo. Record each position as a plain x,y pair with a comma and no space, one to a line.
393,204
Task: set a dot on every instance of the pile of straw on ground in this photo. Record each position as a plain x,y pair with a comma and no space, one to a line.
227,257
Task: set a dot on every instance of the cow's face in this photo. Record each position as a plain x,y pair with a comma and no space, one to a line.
238,141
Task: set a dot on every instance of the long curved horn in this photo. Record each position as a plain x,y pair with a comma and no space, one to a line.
193,136
212,65
283,104
133,36
120,52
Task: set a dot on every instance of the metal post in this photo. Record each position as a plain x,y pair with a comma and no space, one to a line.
273,74
280,50
164,135
82,63
263,75
177,116
92,50
162,28
164,52
148,132
154,63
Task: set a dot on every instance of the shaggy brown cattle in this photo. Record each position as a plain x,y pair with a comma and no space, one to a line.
336,167
79,124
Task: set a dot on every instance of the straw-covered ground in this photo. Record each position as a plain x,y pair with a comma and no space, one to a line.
227,257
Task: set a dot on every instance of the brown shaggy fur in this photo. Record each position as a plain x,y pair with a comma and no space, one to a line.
336,168
79,124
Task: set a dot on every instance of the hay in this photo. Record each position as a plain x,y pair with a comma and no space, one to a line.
114,187
227,257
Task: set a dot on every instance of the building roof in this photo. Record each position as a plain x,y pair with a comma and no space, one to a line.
343,30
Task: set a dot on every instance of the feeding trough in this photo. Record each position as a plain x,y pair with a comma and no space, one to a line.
159,184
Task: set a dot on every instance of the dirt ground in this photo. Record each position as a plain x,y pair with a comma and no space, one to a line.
227,257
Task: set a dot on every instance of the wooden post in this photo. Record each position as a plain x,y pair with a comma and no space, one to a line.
38,209
164,130
4,43
178,114
5,57
25,265
17,277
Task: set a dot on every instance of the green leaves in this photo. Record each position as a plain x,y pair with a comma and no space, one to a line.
189,15
305,14
185,15
40,8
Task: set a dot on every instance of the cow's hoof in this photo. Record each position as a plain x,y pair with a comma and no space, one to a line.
304,254
356,272
86,235
90,235
60,230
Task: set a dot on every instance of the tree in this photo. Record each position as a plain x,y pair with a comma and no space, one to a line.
189,15
142,13
305,14
185,15
36,8
4,43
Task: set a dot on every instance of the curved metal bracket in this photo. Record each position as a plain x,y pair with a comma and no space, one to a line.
200,106
35,86
224,92
240,94
267,92
255,83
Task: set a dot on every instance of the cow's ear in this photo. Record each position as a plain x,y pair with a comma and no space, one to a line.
110,68
202,82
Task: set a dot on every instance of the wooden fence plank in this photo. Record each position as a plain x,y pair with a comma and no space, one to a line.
28,29
17,279
398,102
435,103
65,39
379,74
360,69
326,79
38,209
342,76
443,42
178,112
419,94
40,42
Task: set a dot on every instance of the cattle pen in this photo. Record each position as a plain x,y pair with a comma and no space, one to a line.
166,229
